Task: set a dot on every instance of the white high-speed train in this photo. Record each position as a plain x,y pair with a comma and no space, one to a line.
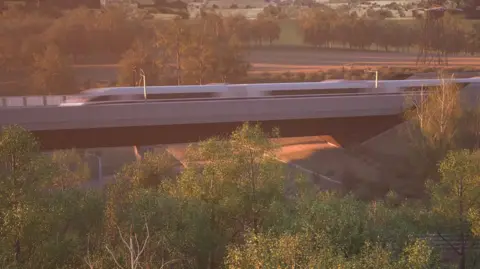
247,91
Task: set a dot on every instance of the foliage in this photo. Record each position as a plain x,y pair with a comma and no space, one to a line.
440,122
41,227
151,171
229,208
72,169
203,52
315,250
324,27
140,57
436,119
52,73
455,198
456,195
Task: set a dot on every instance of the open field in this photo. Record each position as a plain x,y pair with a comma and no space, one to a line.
287,59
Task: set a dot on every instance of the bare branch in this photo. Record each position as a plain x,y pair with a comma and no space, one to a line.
169,262
114,259
122,238
87,259
449,243
140,251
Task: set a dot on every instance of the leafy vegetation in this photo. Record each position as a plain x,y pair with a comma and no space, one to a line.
325,27
231,207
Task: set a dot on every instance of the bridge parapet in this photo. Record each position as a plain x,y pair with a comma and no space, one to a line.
32,101
201,112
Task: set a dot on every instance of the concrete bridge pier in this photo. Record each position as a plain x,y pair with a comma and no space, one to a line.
141,150
95,160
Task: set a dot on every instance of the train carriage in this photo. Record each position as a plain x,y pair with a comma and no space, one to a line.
210,92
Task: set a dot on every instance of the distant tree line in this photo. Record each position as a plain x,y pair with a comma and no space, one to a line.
325,27
38,49
201,50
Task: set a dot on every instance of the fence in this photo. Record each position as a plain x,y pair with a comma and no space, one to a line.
32,101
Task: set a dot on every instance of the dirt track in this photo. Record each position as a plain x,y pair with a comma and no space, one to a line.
311,60
300,60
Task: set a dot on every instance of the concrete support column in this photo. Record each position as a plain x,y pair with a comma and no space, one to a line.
141,150
98,157
95,161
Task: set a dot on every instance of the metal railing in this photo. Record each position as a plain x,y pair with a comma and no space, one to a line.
55,100
32,101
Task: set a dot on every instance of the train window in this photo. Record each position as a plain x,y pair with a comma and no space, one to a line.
430,88
419,88
102,98
316,91
189,95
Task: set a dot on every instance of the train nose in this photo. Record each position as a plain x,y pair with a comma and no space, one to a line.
74,101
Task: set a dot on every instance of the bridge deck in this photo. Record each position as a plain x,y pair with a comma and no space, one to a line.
202,112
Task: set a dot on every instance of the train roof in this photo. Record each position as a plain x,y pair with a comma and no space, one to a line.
156,89
428,82
328,84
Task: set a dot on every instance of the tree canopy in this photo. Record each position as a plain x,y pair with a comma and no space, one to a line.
233,206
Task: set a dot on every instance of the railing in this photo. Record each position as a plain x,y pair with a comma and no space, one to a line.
55,100
32,101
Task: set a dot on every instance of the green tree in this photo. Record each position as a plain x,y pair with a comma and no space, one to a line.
213,53
435,124
21,176
72,169
318,247
235,182
240,27
269,29
151,171
16,28
116,30
141,56
71,32
174,40
456,198
42,227
318,27
52,73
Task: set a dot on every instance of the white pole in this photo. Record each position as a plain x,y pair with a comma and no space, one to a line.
144,85
376,76
144,89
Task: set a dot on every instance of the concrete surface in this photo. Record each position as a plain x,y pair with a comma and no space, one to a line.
200,112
